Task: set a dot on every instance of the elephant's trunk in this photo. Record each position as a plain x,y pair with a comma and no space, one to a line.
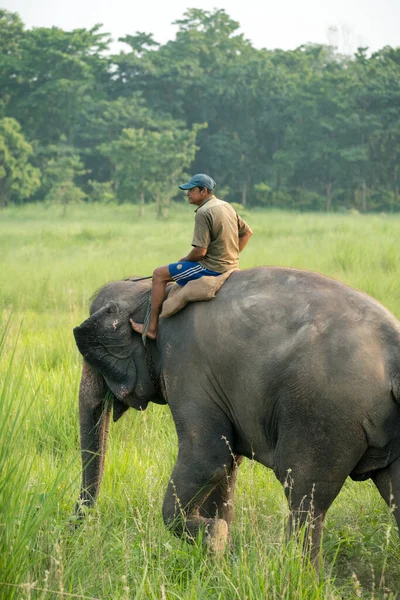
94,417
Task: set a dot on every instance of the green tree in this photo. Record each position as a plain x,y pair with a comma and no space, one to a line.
151,162
58,74
62,168
319,129
131,157
101,191
381,94
18,178
312,159
191,78
175,152
103,123
11,37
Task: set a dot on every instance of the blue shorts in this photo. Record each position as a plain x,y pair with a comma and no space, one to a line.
185,271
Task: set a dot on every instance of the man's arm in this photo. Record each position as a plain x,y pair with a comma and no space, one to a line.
195,254
244,239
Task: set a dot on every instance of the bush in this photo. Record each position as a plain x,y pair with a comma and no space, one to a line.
65,193
303,199
240,209
263,194
102,191
282,199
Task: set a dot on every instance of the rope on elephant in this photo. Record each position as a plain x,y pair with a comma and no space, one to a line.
139,278
146,321
160,388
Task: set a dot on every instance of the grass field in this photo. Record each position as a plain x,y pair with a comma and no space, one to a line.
49,268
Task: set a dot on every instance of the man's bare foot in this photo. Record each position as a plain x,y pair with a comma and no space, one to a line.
139,327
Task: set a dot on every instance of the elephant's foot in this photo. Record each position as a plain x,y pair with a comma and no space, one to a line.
217,536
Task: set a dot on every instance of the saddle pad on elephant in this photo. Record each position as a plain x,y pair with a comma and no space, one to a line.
197,290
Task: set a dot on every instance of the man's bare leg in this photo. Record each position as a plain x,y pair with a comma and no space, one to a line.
161,277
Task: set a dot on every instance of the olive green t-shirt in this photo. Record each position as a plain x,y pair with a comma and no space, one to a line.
218,227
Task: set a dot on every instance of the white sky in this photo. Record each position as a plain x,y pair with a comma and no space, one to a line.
270,24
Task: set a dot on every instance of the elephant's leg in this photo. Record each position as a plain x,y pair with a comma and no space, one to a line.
220,502
202,466
312,479
388,483
306,512
94,417
312,465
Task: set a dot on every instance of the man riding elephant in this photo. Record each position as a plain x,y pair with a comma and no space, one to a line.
219,235
286,367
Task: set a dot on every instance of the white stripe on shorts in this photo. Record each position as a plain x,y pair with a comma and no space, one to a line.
189,272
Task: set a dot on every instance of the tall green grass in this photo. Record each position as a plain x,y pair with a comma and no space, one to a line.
49,269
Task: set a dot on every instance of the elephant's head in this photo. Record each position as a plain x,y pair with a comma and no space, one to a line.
107,343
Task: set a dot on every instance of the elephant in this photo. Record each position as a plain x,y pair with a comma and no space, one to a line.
288,367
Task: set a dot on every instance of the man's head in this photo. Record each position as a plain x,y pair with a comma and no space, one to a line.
199,187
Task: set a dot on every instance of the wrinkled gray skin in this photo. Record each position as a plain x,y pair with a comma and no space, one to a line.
288,367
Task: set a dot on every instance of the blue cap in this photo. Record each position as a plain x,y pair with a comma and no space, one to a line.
200,180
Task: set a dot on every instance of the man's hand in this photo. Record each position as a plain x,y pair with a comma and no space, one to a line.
195,254
244,239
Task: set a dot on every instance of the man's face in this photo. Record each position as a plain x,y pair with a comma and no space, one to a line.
197,195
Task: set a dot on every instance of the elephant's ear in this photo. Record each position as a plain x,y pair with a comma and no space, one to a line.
105,342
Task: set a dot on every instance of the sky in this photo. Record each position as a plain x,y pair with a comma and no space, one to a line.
271,24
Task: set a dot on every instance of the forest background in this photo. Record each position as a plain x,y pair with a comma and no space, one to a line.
305,129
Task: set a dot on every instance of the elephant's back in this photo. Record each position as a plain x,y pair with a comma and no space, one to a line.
298,296
285,314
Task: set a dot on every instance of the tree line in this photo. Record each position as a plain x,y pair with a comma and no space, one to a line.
307,129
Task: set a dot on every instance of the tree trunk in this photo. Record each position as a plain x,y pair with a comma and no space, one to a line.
165,208
244,193
116,188
141,204
356,193
61,193
278,180
364,197
94,418
3,198
158,206
329,197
